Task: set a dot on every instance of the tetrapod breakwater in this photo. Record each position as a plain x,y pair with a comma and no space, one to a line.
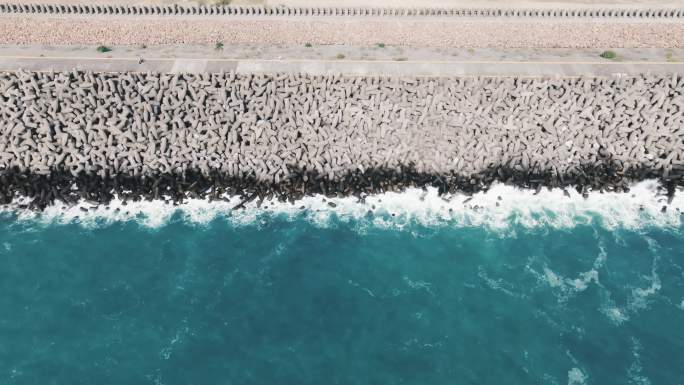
69,136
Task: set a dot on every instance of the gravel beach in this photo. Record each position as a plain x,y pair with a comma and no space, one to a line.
464,33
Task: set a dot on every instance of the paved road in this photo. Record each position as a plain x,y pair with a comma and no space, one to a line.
355,67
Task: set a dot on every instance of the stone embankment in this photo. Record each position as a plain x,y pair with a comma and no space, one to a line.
71,136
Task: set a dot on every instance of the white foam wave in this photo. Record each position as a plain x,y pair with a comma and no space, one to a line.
641,297
616,315
566,288
501,207
576,377
634,372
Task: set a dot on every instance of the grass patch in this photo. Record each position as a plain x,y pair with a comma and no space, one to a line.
381,45
222,2
340,56
218,46
103,49
669,57
471,50
608,55
308,45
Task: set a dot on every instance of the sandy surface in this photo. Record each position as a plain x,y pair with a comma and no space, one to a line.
397,3
465,33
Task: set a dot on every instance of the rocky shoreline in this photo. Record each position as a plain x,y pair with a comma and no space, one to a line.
92,136
62,187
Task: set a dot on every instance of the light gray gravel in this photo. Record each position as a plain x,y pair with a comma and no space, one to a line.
463,33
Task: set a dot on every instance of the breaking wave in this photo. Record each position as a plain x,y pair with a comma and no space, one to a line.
501,207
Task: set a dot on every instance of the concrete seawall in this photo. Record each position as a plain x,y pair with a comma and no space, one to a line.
78,135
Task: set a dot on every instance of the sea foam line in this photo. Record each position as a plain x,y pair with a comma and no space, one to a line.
500,207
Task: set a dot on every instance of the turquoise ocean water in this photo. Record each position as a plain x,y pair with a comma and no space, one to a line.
288,300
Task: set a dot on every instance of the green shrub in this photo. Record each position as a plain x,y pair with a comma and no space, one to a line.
218,46
340,56
608,55
308,45
103,49
381,45
400,59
